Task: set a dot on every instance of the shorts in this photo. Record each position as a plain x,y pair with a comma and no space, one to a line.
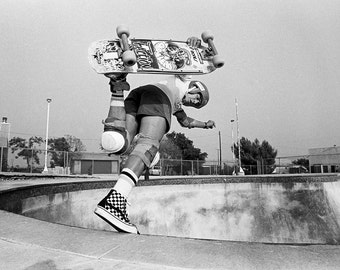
149,100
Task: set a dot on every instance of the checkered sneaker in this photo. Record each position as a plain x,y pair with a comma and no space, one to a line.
116,204
112,209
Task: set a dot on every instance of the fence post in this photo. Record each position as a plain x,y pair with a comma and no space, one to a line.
1,153
31,170
192,167
67,164
161,166
92,167
181,167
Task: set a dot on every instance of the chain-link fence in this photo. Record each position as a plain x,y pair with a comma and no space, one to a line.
31,160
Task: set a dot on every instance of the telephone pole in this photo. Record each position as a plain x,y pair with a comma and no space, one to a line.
220,148
233,144
47,124
240,172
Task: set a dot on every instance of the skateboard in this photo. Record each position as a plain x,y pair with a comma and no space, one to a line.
124,55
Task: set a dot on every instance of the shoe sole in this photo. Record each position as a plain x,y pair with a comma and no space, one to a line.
116,223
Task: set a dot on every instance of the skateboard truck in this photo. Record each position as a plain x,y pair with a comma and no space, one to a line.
128,56
208,37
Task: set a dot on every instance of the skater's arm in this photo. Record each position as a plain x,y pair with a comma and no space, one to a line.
188,122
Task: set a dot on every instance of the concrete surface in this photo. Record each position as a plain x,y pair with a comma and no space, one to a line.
250,212
27,243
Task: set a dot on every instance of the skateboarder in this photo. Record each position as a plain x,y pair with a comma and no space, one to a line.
148,118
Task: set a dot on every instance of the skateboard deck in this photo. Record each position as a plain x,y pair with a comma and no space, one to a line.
154,56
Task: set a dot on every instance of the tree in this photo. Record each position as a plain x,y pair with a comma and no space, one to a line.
65,148
256,155
169,149
26,150
177,146
75,144
58,146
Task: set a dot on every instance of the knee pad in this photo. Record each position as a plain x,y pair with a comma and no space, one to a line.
147,149
115,141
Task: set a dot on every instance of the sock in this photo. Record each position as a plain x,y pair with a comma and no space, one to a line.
126,182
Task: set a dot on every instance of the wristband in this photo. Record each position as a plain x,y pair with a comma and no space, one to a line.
205,125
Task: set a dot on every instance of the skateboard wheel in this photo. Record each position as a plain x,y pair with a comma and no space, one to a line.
206,35
122,29
218,62
129,58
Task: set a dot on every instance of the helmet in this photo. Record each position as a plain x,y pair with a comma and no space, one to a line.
202,90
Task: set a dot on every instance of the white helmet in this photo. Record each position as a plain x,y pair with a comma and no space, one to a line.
201,89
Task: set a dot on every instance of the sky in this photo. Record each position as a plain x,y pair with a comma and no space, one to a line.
282,64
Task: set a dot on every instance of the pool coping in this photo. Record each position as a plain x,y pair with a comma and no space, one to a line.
71,247
21,188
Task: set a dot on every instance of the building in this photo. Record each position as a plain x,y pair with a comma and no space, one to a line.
95,163
324,160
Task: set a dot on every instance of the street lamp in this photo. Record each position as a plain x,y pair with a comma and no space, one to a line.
240,172
46,143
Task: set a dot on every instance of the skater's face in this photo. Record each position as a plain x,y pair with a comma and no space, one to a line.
191,99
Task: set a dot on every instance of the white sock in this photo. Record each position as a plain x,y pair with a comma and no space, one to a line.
126,182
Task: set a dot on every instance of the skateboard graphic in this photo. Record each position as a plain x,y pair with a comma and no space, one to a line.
154,56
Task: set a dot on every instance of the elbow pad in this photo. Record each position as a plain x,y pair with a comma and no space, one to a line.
183,119
187,122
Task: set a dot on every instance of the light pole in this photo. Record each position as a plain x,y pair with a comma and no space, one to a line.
47,123
240,172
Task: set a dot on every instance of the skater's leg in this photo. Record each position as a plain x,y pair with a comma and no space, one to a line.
151,132
113,207
116,138
131,125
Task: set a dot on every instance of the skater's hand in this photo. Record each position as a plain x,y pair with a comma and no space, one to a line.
116,76
194,42
210,124
118,82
